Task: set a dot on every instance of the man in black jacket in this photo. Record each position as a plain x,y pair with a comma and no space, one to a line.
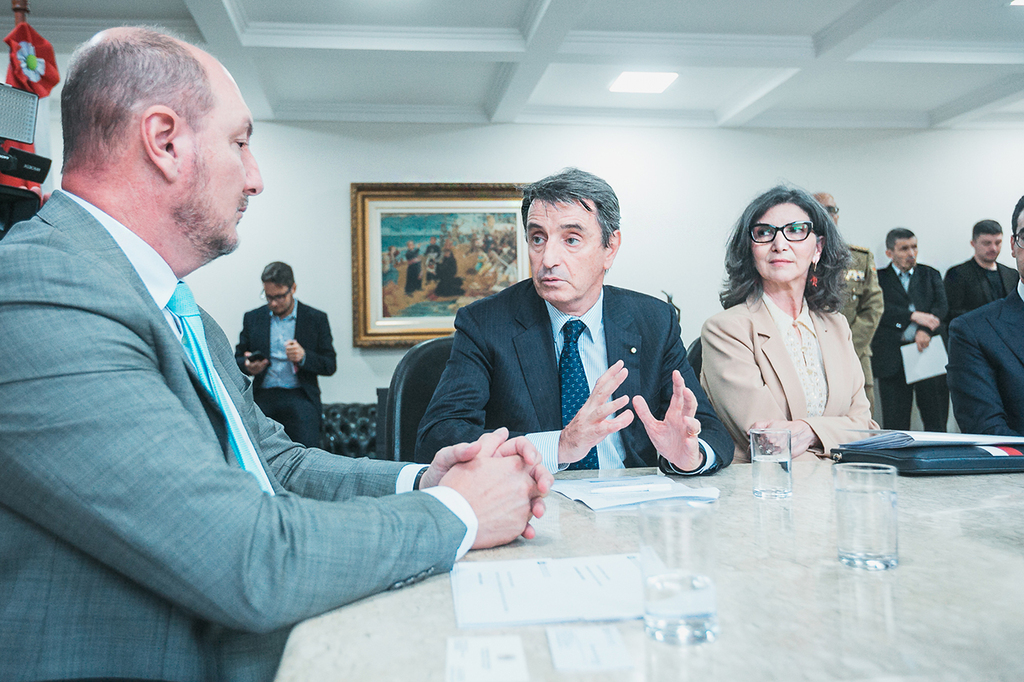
981,279
284,345
915,312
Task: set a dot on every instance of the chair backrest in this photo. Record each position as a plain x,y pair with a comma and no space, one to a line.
693,356
412,386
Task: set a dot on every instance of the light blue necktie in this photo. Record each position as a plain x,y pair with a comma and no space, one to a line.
193,338
575,389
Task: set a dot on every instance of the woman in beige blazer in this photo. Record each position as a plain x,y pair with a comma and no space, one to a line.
780,355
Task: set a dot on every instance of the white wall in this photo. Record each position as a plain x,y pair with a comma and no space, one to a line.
680,191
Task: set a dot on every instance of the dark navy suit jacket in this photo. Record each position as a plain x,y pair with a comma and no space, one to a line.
503,372
986,368
313,333
927,294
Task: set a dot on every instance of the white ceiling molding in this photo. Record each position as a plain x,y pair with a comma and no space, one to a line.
940,52
688,48
378,113
606,116
843,119
217,21
754,101
546,28
984,100
863,24
66,34
497,42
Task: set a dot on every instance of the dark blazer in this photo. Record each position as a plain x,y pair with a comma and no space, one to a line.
313,333
928,295
503,372
132,544
967,286
986,368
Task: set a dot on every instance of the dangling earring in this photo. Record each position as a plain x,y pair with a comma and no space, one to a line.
814,276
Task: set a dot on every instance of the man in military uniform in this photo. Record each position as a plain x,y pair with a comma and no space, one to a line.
864,307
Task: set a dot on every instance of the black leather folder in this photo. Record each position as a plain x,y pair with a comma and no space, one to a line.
940,459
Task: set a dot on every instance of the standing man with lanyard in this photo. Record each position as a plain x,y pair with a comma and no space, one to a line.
284,345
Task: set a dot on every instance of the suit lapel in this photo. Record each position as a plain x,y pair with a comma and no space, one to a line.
535,350
774,349
622,341
893,284
1009,324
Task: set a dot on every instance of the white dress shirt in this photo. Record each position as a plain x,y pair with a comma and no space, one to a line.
160,281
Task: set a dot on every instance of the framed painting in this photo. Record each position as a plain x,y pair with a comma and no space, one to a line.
421,251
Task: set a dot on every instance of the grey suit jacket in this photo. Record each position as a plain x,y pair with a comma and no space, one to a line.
131,545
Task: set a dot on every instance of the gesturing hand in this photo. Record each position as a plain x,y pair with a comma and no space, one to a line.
675,437
591,425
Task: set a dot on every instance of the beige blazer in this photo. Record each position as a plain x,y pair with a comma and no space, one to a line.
749,377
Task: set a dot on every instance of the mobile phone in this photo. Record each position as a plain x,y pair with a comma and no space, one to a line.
256,356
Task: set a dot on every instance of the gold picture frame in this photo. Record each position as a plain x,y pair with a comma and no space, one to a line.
420,251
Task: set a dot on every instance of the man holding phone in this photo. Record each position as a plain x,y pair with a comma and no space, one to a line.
284,346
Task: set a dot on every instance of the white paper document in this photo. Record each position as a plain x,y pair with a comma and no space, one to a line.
615,493
531,591
931,362
589,648
486,659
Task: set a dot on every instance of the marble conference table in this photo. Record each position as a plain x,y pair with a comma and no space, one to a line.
788,610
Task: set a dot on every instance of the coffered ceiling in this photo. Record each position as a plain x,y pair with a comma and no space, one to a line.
915,64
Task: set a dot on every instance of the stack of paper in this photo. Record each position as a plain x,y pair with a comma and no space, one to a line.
529,591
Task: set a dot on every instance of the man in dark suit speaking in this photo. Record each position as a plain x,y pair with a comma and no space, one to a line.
294,345
153,524
986,357
559,357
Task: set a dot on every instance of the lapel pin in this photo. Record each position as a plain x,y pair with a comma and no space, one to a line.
633,350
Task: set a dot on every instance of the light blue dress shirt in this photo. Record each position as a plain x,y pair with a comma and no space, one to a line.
281,373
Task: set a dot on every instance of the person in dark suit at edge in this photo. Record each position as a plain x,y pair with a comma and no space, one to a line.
915,311
153,523
986,356
295,345
981,279
556,356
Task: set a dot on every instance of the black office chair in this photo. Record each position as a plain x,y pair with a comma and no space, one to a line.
693,356
412,386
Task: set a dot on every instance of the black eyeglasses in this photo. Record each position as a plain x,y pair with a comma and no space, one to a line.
763,233
1018,239
274,298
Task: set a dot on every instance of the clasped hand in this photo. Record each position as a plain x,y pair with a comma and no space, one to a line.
675,437
503,480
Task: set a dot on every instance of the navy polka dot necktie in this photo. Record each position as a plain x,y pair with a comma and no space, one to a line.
575,389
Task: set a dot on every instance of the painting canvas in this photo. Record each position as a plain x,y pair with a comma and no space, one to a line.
421,252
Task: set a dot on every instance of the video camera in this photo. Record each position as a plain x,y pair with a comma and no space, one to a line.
18,123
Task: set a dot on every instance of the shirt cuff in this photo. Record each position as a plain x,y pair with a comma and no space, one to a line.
546,443
709,461
449,497
407,476
457,505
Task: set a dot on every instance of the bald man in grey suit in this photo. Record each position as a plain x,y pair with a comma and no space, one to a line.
133,544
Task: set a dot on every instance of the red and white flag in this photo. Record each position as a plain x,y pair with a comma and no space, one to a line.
33,68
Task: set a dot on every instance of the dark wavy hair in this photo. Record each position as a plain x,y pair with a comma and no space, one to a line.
743,282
